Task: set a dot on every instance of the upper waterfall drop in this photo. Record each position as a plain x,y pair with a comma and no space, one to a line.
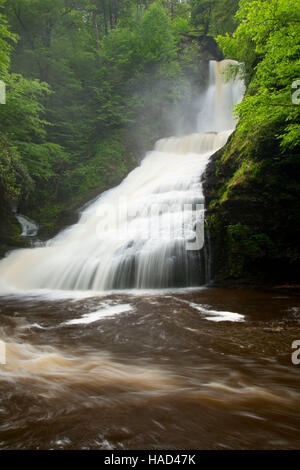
216,103
138,234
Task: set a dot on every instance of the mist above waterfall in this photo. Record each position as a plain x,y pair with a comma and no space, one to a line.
143,233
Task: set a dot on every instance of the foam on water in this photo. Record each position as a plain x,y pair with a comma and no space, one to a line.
108,311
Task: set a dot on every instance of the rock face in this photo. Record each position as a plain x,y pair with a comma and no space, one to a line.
9,232
253,213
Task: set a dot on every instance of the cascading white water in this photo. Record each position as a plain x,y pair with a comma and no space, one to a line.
137,234
216,103
29,227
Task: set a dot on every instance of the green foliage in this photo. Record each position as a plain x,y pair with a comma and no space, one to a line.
146,43
14,177
213,16
108,166
155,43
6,40
180,25
23,105
140,76
267,42
201,14
245,247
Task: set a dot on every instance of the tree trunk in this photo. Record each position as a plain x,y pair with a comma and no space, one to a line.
96,29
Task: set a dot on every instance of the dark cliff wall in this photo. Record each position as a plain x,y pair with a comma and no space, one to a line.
9,232
253,212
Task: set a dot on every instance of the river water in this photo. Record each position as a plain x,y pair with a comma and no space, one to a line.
185,369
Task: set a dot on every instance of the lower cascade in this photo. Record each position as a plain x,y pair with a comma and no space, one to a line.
148,231
29,227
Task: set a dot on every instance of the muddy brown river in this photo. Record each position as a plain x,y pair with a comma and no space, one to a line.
185,369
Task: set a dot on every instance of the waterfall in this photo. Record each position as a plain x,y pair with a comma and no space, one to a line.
29,227
148,231
216,103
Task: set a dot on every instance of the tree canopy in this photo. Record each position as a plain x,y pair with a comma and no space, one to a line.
266,43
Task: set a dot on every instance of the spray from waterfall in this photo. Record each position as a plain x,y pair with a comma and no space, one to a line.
143,233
